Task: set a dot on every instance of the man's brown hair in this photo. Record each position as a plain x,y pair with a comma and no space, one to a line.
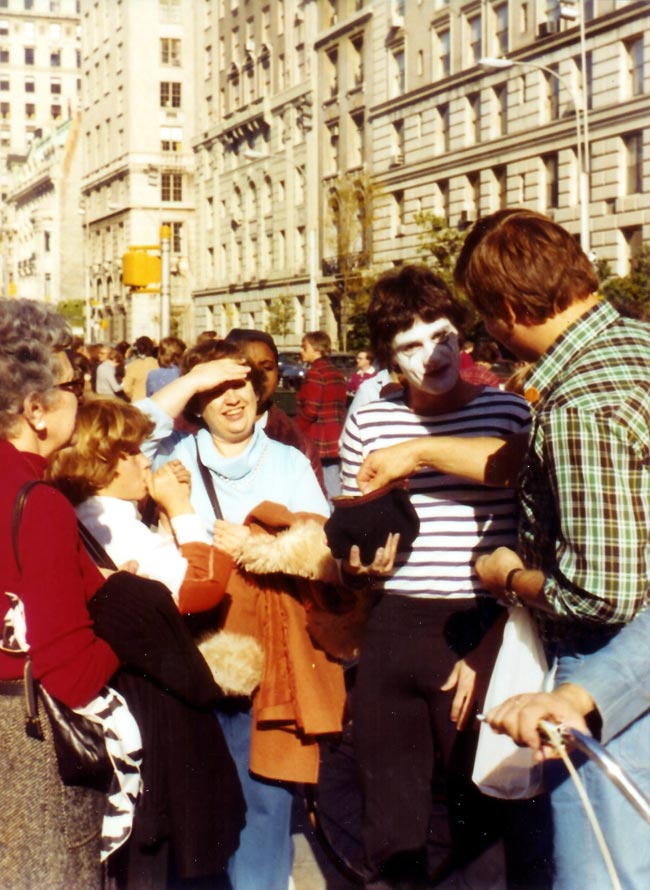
521,259
319,341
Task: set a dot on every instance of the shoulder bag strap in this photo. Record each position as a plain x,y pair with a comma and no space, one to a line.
17,515
96,551
208,483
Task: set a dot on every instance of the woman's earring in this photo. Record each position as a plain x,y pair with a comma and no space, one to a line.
39,425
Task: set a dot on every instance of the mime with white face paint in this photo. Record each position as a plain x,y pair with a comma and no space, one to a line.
430,639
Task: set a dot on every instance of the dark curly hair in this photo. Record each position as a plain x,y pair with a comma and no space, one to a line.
401,295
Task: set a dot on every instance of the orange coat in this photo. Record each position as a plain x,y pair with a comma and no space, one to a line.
301,695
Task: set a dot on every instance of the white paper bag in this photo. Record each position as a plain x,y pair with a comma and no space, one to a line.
501,768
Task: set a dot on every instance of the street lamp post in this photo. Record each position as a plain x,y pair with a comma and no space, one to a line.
311,246
582,148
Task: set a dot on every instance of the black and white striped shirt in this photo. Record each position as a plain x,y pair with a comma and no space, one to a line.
459,520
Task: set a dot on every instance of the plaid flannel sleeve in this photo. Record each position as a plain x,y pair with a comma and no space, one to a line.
601,485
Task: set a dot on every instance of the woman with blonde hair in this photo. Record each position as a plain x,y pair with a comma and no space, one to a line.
104,474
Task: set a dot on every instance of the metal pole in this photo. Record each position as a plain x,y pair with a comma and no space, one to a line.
313,287
586,165
165,280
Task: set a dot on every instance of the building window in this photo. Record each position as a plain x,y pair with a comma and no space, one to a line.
299,186
170,94
171,187
5,111
30,111
475,28
473,196
397,214
634,66
443,127
357,61
552,90
55,58
633,149
358,140
331,73
55,87
500,187
524,17
170,11
474,118
170,51
442,53
267,192
29,55
301,245
443,198
633,238
398,142
4,85
501,28
176,236
501,109
332,147
4,28
552,181
171,139
397,72
55,112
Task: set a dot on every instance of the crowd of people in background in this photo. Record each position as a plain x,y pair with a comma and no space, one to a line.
204,509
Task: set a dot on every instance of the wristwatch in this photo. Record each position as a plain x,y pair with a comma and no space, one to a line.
510,596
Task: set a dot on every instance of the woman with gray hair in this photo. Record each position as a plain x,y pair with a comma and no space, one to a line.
48,828
51,832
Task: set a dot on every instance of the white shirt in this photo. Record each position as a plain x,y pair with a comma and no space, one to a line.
119,529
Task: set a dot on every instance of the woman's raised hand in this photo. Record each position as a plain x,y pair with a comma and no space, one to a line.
170,488
209,375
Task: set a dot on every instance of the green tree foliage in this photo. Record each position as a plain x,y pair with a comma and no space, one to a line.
348,229
281,316
73,310
630,294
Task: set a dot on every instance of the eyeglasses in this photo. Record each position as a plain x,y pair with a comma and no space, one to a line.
75,386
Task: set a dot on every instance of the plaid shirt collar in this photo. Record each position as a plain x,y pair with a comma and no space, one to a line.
547,369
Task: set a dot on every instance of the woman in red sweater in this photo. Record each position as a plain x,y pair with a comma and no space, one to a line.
48,829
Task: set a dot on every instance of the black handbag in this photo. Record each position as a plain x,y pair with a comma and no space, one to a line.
79,742
368,519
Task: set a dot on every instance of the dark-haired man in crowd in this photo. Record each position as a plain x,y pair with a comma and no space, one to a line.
427,648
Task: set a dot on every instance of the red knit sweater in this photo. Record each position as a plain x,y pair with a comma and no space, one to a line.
57,580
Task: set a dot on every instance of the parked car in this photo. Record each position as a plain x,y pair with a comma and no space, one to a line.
345,362
291,369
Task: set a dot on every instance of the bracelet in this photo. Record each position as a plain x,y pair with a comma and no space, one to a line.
510,595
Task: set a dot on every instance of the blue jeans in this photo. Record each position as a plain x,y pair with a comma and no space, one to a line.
332,477
264,858
578,862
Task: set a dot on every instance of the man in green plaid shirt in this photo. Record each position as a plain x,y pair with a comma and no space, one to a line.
583,557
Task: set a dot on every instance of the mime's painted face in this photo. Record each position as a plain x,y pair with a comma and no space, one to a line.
428,355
